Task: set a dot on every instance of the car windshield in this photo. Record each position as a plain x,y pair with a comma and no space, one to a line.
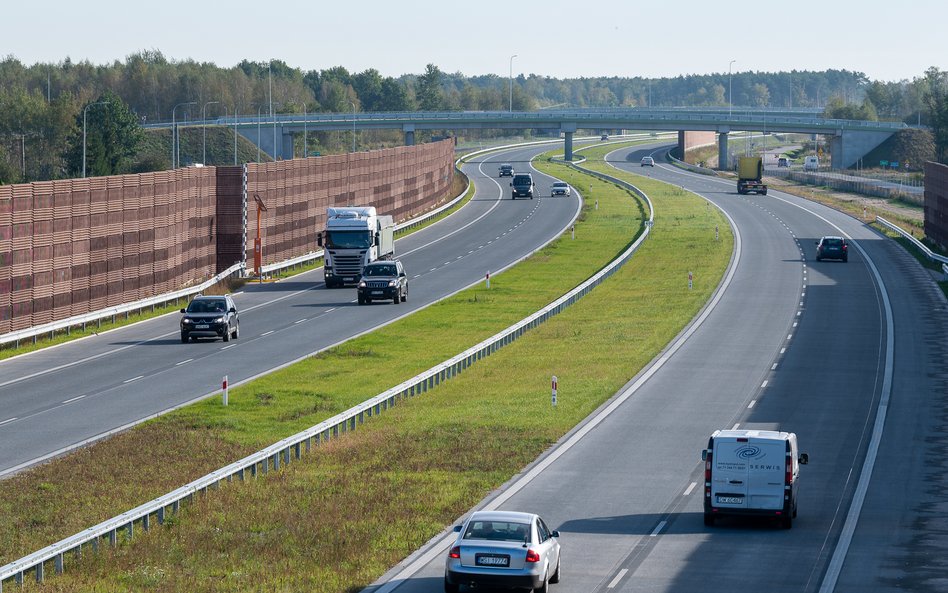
349,239
505,531
521,179
559,185
379,271
207,306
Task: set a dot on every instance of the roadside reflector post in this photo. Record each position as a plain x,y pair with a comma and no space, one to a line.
715,232
865,214
487,278
224,386
572,231
553,399
690,280
597,204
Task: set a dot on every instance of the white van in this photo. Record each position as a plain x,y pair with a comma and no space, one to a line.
752,472
811,163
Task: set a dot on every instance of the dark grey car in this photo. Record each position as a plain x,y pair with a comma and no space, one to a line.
210,317
383,280
832,248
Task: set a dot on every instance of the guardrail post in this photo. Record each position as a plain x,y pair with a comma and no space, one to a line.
276,462
146,521
113,538
131,529
161,515
39,572
59,563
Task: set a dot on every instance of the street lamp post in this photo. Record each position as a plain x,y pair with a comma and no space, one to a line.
174,134
305,148
272,117
235,134
84,111
510,83
259,111
349,156
730,96
204,130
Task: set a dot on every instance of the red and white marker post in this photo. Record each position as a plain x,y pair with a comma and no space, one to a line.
553,400
224,387
690,280
487,278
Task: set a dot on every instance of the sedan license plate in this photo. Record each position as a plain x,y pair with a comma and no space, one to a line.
202,326
730,499
491,560
376,292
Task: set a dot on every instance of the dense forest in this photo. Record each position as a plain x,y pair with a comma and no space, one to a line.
43,106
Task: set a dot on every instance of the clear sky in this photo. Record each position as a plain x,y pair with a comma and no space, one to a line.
657,38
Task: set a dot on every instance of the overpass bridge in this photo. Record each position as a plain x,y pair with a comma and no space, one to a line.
849,139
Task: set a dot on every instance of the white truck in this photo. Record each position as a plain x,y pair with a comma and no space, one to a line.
752,472
354,236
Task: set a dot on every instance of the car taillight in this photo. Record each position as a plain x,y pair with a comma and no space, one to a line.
788,477
707,474
532,556
455,552
844,247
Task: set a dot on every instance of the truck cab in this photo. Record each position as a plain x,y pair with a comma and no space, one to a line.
752,472
354,237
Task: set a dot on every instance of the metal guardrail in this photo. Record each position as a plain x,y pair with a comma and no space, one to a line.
95,316
290,448
931,255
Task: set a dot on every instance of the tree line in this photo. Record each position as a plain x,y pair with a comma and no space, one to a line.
43,106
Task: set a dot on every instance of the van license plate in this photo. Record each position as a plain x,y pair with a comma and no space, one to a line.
730,499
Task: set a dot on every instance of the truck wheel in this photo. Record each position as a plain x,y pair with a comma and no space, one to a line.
709,519
764,192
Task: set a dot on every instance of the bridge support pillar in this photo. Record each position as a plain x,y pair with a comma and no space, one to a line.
409,130
846,147
723,163
568,147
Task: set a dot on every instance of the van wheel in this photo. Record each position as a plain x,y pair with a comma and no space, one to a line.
786,522
709,519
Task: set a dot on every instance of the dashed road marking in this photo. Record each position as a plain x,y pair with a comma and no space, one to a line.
618,578
70,400
690,488
134,379
177,364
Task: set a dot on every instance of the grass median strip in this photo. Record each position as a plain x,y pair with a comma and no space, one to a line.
353,508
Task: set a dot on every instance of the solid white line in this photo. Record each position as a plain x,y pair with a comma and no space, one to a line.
7,420
658,528
690,488
74,399
134,379
177,364
267,333
764,384
736,426
751,405
615,581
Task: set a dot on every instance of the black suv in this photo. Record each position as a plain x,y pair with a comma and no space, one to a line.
522,185
210,317
506,171
832,248
384,279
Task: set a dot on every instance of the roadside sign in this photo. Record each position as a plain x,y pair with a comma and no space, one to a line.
894,164
883,163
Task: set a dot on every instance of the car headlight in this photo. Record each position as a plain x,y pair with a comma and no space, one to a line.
393,282
362,284
187,321
218,320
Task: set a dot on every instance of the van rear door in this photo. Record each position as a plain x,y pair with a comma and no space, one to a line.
729,474
766,473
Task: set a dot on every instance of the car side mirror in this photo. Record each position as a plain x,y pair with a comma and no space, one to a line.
457,529
555,533
233,310
511,184
704,455
804,459
401,275
184,310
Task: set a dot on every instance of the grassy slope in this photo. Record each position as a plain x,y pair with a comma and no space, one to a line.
346,513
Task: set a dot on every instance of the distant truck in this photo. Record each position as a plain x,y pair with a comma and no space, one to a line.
811,163
750,171
354,237
752,472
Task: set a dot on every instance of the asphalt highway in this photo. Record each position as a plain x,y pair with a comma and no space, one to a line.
790,344
61,397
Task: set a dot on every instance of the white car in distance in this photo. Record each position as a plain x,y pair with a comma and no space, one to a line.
560,188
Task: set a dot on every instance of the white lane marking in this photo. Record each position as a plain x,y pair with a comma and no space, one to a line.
658,528
445,263
789,336
794,324
764,384
773,367
433,270
798,313
134,379
177,364
690,488
470,252
239,292
736,426
299,321
615,581
78,397
230,346
413,277
7,420
751,405
333,309
783,350
267,333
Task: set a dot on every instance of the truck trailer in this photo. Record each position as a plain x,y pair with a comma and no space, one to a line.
354,237
750,171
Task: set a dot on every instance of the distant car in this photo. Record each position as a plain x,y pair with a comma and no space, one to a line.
383,280
560,188
506,171
210,317
783,162
648,161
604,137
503,549
811,163
832,248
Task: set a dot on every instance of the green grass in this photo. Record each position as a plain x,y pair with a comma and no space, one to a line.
343,515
